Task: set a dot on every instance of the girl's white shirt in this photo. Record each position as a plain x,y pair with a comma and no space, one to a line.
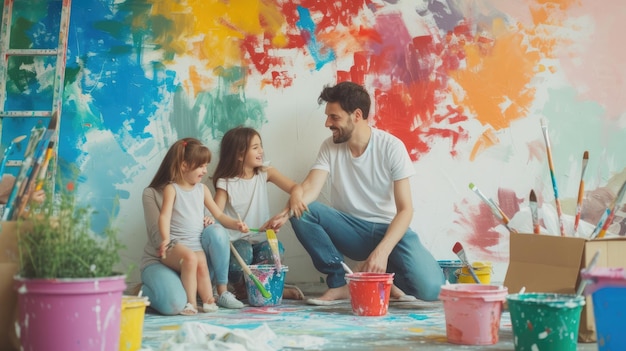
247,198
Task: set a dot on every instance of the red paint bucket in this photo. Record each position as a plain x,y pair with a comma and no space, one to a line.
369,293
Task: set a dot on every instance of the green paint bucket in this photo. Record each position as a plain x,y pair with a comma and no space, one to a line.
545,322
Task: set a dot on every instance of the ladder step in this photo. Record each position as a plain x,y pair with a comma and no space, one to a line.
10,114
31,52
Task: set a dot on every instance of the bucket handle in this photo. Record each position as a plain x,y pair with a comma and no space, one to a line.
494,298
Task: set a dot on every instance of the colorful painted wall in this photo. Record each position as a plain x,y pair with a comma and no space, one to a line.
465,84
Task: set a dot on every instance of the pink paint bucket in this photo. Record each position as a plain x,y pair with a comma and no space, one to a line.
69,314
472,312
369,293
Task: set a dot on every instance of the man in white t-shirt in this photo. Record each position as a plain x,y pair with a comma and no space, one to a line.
371,201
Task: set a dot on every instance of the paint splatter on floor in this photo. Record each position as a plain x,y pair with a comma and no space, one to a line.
407,326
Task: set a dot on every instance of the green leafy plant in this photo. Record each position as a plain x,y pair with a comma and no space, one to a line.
56,241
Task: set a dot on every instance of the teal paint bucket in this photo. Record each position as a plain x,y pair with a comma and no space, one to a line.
272,279
451,270
608,293
545,322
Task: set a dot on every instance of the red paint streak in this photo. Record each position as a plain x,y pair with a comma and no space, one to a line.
509,202
260,58
408,76
408,113
331,12
281,79
529,325
480,224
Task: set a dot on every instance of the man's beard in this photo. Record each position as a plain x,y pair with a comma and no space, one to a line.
341,136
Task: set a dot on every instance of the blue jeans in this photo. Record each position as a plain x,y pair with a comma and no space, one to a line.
260,253
328,235
162,285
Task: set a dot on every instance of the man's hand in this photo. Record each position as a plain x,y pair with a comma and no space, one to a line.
375,263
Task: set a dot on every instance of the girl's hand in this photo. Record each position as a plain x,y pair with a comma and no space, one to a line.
162,251
276,222
208,221
242,227
165,246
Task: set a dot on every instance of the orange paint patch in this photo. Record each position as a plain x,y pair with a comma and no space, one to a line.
497,85
486,140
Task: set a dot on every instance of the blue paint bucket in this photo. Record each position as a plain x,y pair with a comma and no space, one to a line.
272,279
451,270
608,292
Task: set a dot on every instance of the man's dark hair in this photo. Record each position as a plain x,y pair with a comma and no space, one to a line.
349,95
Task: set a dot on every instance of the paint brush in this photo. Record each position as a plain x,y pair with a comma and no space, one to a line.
613,208
346,268
458,250
36,177
44,167
581,191
600,224
492,206
533,211
584,282
32,174
273,241
7,151
266,294
505,219
559,212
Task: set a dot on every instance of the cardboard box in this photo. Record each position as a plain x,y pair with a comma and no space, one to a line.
547,263
8,296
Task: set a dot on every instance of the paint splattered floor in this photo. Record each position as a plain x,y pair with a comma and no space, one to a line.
407,326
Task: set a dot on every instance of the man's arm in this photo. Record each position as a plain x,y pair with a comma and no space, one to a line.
307,192
377,261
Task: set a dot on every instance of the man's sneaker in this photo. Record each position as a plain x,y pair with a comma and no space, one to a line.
228,300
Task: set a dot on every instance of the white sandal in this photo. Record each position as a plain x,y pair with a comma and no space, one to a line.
209,307
189,310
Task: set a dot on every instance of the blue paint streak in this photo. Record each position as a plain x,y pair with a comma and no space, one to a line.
419,317
320,55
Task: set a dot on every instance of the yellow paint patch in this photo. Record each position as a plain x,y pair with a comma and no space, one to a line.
170,327
416,330
212,34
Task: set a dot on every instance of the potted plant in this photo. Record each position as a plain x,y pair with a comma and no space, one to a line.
69,295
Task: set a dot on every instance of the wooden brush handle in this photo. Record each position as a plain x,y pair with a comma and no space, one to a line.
266,294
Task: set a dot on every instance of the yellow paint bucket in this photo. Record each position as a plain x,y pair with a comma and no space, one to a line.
131,323
483,272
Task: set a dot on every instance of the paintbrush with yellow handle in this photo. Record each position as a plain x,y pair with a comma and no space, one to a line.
273,241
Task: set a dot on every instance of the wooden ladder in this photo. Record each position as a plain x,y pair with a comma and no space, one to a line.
61,56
